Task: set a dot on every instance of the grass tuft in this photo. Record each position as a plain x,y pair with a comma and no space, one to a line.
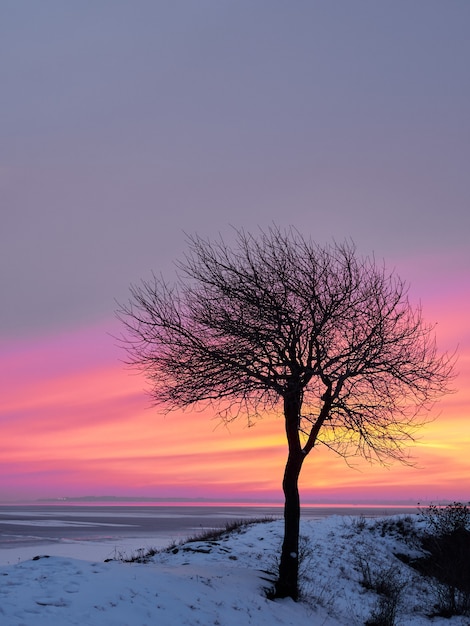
207,535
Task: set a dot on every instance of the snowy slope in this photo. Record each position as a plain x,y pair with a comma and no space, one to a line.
221,583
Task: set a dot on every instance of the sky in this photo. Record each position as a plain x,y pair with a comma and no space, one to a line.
126,126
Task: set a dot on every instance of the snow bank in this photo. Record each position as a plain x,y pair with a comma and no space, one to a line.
222,583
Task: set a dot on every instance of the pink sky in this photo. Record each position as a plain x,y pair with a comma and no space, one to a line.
76,421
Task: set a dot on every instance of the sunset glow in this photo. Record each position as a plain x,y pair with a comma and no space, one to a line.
76,421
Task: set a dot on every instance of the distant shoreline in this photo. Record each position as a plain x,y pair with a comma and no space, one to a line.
203,502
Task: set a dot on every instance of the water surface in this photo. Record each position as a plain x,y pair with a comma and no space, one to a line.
98,531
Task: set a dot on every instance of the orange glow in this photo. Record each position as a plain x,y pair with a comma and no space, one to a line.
76,422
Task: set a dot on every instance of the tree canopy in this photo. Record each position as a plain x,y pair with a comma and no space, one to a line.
243,326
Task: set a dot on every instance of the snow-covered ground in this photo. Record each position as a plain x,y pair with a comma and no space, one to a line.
222,582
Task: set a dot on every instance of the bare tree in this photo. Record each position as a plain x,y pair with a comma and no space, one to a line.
279,322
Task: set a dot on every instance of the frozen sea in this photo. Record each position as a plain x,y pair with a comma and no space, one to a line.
97,532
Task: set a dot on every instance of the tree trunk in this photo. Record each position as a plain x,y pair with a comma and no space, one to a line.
287,582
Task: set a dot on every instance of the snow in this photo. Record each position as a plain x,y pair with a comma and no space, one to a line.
85,550
222,582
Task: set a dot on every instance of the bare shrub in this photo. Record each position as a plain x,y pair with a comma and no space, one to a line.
384,614
450,600
448,562
388,584
442,520
446,543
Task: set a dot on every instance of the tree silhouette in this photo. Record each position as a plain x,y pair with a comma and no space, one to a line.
277,322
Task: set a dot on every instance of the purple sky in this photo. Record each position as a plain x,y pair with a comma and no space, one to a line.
124,124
